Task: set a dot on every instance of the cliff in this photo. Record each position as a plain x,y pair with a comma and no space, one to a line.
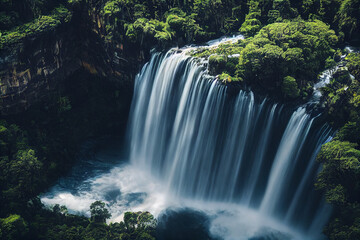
36,62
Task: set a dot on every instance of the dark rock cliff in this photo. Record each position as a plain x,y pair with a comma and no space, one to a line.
35,66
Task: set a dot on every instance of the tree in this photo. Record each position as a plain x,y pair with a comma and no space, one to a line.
290,88
130,220
98,212
24,170
252,24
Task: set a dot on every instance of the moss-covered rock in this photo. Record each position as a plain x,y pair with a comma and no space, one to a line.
217,63
38,26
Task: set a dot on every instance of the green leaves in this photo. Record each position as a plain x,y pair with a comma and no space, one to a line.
354,64
143,29
112,8
290,88
130,220
343,154
20,168
140,225
336,195
342,94
339,179
282,58
348,17
250,27
341,170
13,227
22,175
38,26
298,49
98,212
252,23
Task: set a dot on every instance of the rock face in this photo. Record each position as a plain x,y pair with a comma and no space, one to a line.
29,70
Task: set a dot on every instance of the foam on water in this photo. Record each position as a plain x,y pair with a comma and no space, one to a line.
128,188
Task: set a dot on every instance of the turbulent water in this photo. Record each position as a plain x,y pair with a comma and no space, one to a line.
246,161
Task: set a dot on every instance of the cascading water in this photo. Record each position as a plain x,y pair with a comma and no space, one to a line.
209,146
247,162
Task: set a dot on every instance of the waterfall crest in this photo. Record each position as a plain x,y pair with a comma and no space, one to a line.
209,146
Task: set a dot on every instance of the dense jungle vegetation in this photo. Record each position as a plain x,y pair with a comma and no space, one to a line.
288,43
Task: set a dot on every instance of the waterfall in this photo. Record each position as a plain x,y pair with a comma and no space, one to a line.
209,146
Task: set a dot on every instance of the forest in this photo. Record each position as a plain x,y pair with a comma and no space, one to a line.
287,44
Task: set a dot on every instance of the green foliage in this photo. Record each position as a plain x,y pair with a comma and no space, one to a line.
348,17
186,21
139,225
330,62
143,30
298,49
290,88
252,24
288,47
339,179
74,2
200,20
98,212
350,132
19,168
184,26
337,230
57,224
24,11
354,64
64,104
217,63
341,77
336,195
285,9
274,16
65,232
36,27
250,27
339,158
130,220
327,9
341,15
13,227
225,78
96,231
146,220
223,58
342,94
25,171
